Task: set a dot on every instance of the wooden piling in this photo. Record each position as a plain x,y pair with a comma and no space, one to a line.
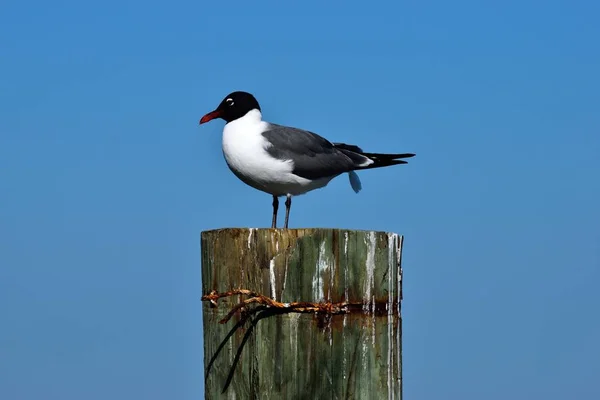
348,346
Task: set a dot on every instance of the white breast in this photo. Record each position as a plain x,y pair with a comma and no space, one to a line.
244,149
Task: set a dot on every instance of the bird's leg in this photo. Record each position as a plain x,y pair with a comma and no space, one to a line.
275,208
288,205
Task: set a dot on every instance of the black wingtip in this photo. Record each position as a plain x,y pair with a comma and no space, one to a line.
383,163
383,156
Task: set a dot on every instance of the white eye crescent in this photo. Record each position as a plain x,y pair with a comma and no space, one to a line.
229,102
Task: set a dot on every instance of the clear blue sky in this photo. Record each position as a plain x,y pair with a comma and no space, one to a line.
106,181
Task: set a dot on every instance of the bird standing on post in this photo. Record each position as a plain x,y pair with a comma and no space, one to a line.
286,161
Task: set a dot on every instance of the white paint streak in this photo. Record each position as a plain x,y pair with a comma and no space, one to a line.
363,362
332,275
294,318
370,266
272,277
392,238
345,242
323,264
369,297
373,323
250,237
285,274
345,344
399,330
345,270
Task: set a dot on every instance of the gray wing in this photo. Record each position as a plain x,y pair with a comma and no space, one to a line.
313,156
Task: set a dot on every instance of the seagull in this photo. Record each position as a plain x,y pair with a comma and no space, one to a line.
286,161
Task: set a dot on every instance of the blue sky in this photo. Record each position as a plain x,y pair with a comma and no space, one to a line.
106,181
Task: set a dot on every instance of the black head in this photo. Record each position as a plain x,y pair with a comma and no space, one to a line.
234,106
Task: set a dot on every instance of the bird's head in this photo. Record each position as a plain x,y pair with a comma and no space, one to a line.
235,105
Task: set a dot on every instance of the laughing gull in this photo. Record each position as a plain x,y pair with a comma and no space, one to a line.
285,161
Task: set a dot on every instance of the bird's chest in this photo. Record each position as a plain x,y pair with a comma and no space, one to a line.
245,152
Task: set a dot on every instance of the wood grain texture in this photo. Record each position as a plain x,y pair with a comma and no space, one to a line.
299,356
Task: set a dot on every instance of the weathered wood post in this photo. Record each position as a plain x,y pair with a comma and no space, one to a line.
342,341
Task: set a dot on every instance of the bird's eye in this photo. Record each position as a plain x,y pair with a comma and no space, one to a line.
229,102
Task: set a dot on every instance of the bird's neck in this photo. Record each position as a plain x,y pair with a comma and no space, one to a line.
251,122
251,116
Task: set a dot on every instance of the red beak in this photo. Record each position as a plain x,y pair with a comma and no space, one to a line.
210,116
